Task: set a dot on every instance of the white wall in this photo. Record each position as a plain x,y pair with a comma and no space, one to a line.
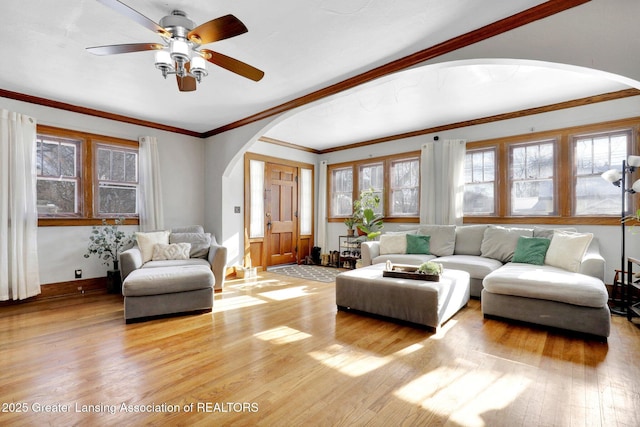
61,249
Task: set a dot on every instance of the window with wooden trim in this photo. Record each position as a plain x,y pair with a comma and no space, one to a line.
552,177
83,178
593,155
395,179
117,179
404,187
341,191
371,176
59,166
480,182
532,179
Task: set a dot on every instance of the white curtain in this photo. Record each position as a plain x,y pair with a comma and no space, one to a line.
321,234
151,212
442,182
19,275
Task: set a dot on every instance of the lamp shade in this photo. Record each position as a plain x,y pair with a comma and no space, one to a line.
612,175
636,186
633,161
179,50
198,65
163,60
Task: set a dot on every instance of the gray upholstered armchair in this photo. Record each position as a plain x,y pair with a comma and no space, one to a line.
204,250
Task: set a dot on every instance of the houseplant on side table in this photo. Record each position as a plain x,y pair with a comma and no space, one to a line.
107,241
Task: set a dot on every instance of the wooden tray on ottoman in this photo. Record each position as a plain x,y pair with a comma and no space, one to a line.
409,272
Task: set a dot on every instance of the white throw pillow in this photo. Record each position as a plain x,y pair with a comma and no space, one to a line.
146,242
162,251
567,250
393,244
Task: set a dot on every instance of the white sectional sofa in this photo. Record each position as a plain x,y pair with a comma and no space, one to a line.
536,275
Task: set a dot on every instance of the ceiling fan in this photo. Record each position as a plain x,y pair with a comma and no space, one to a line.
182,53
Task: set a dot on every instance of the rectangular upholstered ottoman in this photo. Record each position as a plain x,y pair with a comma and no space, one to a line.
158,291
422,302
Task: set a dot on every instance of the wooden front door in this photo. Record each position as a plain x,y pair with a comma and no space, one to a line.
281,222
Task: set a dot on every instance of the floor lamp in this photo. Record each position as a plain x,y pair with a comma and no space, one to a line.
618,179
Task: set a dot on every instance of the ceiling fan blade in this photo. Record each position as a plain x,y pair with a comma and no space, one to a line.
186,83
133,14
124,48
233,65
217,29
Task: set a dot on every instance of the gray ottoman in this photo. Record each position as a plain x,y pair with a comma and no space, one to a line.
157,291
417,301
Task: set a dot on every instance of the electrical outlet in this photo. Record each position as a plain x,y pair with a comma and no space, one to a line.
78,274
236,209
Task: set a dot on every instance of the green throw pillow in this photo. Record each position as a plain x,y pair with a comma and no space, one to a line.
531,250
418,244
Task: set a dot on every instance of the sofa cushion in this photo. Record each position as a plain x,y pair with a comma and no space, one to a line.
531,250
469,239
500,242
188,229
478,267
547,283
418,244
170,251
146,242
411,259
200,242
177,263
393,244
547,233
166,280
567,249
443,238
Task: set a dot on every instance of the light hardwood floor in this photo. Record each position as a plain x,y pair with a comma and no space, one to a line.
275,352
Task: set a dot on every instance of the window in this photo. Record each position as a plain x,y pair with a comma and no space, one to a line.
550,177
372,177
341,191
480,182
532,179
58,187
395,179
405,187
593,155
83,177
117,178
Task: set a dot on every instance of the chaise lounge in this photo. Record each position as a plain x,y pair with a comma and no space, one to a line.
169,272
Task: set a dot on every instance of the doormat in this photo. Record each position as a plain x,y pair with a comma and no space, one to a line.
310,272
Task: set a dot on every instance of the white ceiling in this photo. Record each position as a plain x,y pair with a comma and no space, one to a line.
302,46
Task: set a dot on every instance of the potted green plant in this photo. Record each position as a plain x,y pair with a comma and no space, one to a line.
350,222
368,222
431,271
107,241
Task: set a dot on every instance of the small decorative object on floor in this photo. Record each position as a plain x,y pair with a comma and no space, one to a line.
106,241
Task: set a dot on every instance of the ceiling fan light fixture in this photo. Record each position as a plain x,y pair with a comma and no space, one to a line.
180,51
198,67
164,62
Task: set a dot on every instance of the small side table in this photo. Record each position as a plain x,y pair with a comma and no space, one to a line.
114,282
632,287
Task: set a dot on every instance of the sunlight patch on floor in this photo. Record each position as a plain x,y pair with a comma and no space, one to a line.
285,294
464,392
349,361
234,303
282,335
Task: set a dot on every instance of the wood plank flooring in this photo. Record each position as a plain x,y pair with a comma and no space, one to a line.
275,352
